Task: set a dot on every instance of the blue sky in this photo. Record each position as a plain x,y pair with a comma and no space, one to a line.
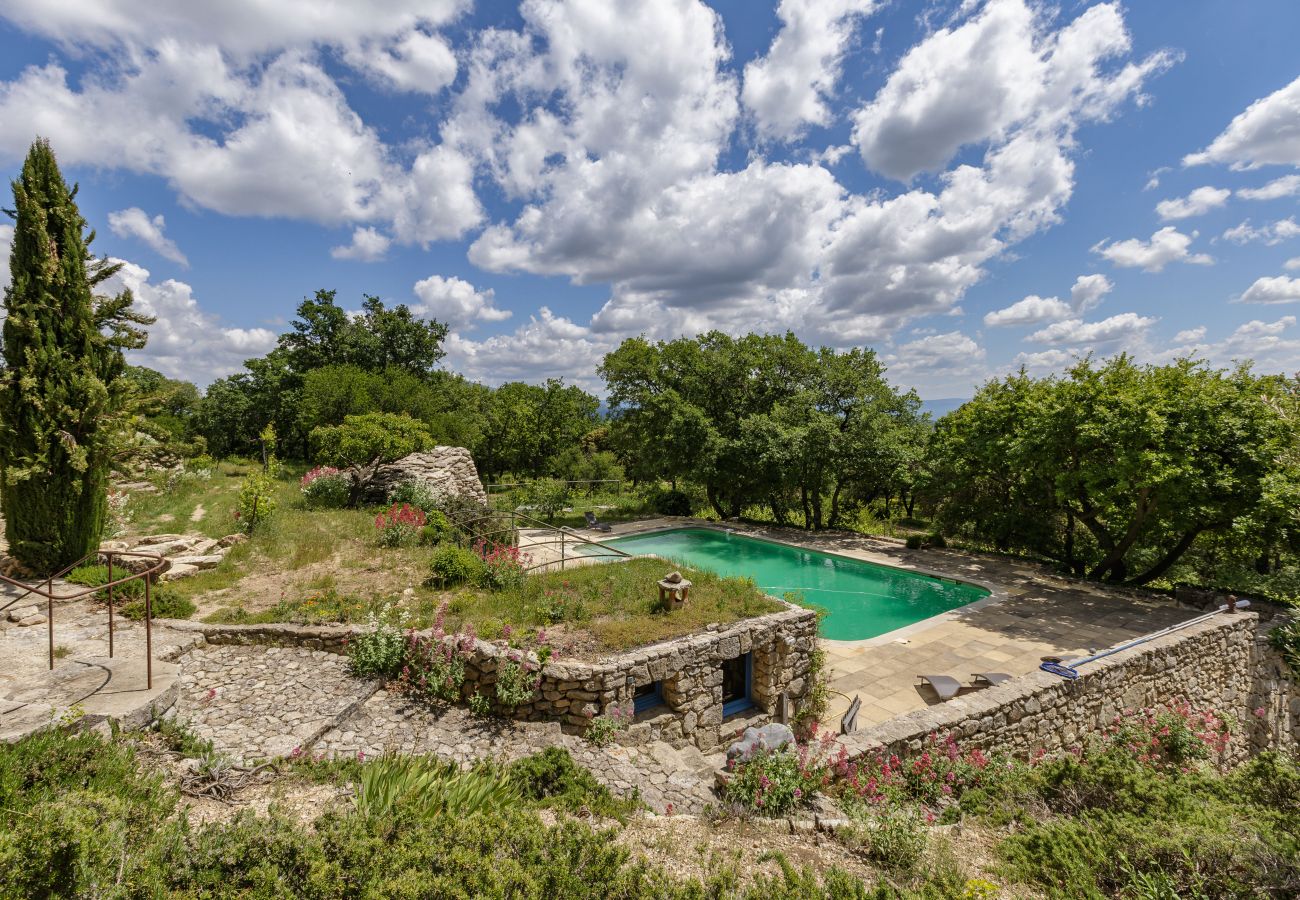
966,187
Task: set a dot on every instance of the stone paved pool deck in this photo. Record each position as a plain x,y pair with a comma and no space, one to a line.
1032,612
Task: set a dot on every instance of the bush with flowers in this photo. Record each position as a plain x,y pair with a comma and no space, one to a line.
400,525
452,565
434,665
601,729
773,782
380,650
517,679
325,487
503,565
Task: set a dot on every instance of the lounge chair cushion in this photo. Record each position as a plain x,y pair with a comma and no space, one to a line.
944,685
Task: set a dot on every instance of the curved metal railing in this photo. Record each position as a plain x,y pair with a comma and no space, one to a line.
561,537
158,566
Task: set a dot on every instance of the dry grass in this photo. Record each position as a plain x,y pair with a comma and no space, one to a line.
317,566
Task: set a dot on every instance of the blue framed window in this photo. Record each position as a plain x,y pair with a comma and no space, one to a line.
647,697
737,684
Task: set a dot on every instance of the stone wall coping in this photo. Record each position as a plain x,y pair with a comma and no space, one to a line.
332,637
1038,685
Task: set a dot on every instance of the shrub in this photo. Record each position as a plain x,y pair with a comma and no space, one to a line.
517,680
164,601
773,782
400,526
380,651
452,565
672,503
164,604
419,494
434,666
915,542
436,529
256,502
479,705
503,566
936,540
601,729
552,779
325,487
424,788
892,835
547,496
1286,640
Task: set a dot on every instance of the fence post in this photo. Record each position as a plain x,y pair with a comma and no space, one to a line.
110,605
49,614
561,549
148,634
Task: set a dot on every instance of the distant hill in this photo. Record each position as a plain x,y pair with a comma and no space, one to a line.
937,408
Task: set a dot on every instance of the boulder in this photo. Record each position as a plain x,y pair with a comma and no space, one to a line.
231,540
772,736
448,470
178,570
198,562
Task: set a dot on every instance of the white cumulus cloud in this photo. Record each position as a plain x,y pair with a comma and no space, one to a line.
1124,326
186,342
1165,246
787,89
1197,203
1277,289
1087,291
1268,132
456,302
135,223
367,245
1030,311
1269,233
1286,186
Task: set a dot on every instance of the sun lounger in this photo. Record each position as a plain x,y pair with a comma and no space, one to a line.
990,679
944,685
593,523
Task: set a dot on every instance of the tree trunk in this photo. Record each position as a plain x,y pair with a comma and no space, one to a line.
835,506
778,509
714,500
1114,563
1169,558
807,513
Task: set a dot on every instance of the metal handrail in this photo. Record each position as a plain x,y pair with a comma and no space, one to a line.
564,535
159,565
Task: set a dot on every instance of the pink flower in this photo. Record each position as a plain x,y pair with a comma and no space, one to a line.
361,756
1260,712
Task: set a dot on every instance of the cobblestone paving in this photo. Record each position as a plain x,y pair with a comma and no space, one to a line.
389,723
262,702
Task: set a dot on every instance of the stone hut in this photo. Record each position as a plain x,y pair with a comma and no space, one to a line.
448,470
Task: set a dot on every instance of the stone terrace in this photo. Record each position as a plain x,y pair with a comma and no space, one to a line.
1031,613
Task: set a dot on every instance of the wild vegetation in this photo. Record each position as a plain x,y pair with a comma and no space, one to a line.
65,403
1141,811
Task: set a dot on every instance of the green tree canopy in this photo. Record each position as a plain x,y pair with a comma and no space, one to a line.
763,419
364,443
1114,469
65,406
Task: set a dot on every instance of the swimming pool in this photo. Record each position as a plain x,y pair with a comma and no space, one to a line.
862,599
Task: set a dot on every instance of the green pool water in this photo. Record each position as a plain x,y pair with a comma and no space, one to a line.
862,599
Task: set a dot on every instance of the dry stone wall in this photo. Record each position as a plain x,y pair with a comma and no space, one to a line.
448,470
688,671
1224,663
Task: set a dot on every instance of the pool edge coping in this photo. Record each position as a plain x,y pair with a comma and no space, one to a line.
997,593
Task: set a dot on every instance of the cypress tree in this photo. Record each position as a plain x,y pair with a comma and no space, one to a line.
64,405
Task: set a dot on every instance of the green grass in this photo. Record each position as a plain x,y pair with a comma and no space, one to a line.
616,602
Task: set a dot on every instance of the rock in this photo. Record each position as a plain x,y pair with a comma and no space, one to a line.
153,539
773,736
32,619
231,540
448,470
177,570
198,562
